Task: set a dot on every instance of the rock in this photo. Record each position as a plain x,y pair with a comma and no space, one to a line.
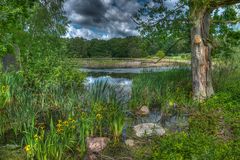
143,111
11,152
96,145
9,63
148,129
91,157
129,142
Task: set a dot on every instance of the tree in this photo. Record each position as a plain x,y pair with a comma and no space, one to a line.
77,47
116,47
187,19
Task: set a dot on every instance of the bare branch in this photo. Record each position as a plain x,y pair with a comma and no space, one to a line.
134,20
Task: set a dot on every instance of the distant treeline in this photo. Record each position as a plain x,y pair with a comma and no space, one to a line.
133,47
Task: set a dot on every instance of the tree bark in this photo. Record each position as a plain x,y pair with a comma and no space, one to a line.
201,56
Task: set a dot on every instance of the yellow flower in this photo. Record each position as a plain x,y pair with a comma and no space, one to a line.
59,130
71,120
171,103
65,123
60,121
73,127
36,137
27,148
99,116
59,125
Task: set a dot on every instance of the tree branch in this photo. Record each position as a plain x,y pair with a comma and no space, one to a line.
222,3
226,22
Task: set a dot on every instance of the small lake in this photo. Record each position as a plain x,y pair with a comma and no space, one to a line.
121,78
125,70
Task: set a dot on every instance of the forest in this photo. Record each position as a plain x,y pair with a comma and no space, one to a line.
172,91
130,47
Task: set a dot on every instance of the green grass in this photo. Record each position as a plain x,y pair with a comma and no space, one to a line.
40,116
53,121
213,132
159,89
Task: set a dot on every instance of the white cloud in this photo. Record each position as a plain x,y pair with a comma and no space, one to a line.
110,18
85,33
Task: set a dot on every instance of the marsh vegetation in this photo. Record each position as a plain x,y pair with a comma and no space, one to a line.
132,98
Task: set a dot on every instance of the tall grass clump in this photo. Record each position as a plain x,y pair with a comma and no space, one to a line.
159,89
45,95
107,108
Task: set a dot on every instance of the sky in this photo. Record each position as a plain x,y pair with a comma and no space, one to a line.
101,19
104,19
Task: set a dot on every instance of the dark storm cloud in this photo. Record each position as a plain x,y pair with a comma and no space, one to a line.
92,10
111,18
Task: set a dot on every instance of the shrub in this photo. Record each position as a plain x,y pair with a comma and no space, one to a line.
194,145
160,54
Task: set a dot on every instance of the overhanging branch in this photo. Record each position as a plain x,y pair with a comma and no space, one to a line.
226,21
222,3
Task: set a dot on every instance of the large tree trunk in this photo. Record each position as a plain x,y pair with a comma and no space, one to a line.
201,56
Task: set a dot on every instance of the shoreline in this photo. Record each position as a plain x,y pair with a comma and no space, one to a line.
108,63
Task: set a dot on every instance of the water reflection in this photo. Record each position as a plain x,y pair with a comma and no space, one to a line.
122,86
126,70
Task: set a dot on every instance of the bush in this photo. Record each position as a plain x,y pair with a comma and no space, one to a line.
160,54
194,145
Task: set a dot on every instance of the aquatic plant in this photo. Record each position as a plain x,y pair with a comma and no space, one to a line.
160,89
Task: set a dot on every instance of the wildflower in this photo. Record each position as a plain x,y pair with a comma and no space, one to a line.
71,120
27,148
171,103
59,130
73,127
65,123
99,116
59,121
59,125
36,137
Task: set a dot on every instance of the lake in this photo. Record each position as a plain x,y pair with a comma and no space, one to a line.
120,78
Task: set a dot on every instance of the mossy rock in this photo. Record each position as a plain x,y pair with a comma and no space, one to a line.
11,152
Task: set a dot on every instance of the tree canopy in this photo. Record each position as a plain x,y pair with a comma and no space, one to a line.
170,25
198,22
117,47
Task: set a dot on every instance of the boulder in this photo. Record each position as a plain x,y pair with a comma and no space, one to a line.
148,129
96,145
143,111
9,63
129,142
